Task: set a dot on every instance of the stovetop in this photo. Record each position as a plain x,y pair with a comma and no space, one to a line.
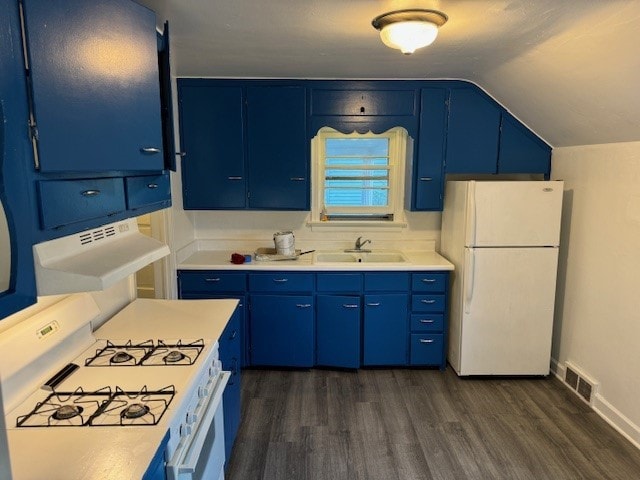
147,353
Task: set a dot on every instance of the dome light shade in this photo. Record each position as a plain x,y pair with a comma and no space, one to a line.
408,30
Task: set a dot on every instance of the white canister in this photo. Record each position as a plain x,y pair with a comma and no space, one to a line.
285,243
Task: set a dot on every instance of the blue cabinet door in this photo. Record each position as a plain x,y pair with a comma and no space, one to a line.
230,354
277,148
428,171
338,331
385,329
211,133
94,80
282,331
472,132
521,151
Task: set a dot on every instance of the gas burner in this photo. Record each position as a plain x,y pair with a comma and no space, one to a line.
121,357
67,412
173,356
135,410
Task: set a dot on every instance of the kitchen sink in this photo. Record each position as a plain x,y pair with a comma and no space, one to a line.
355,257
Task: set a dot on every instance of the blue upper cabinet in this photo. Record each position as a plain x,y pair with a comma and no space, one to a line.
521,151
277,148
211,132
94,82
472,133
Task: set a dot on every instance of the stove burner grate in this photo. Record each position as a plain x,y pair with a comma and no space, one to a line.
67,412
179,353
126,354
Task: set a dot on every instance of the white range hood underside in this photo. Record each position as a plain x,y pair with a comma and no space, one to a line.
95,259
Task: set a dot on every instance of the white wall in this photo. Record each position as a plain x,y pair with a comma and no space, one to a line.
597,325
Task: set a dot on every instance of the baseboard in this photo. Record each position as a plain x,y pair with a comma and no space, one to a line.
602,407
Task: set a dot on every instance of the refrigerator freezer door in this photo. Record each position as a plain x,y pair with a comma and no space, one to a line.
507,313
513,214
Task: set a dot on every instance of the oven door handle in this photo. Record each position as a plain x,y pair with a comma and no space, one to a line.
185,459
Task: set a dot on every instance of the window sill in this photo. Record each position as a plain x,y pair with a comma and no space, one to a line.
356,226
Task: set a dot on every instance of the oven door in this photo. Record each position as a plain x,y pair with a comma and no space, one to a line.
200,453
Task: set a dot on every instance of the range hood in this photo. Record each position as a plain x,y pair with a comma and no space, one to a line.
94,259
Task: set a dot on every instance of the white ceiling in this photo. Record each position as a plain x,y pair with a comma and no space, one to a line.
570,69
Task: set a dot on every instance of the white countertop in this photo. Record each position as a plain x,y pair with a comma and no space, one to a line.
221,260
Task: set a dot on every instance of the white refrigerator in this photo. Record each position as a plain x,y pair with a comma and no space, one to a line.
502,237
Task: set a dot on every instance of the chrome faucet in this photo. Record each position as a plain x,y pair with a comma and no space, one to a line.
359,244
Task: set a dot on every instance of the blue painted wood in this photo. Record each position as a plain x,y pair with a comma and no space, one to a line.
385,329
16,158
389,281
363,102
521,151
472,132
211,132
230,350
427,322
427,174
426,349
428,303
211,281
429,282
338,331
68,201
94,81
277,148
339,282
147,190
281,282
282,330
156,470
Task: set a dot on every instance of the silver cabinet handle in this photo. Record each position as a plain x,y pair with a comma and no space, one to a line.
181,154
90,193
152,185
303,305
426,321
217,279
233,335
428,302
234,178
426,340
426,179
297,179
428,280
280,280
349,305
150,150
376,304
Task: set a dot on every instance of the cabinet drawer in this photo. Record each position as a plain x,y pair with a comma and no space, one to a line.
68,201
339,282
428,282
428,303
281,282
363,102
427,322
211,282
379,282
147,190
427,349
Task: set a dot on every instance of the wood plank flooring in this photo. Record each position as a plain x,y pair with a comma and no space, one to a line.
405,424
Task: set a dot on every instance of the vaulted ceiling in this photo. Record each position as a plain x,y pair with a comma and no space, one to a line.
569,69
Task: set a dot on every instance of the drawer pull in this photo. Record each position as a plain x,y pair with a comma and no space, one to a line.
216,279
303,305
150,150
426,340
280,280
90,193
297,179
234,178
426,321
181,154
349,305
428,280
375,304
428,302
426,179
233,335
152,185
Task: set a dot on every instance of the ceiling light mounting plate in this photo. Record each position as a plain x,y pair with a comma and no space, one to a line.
409,15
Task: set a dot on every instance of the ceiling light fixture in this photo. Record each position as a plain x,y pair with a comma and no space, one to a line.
408,30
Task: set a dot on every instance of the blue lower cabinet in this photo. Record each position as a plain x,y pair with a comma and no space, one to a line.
338,331
282,330
156,469
230,353
427,349
385,329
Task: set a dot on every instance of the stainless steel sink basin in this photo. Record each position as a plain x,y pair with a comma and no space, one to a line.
353,257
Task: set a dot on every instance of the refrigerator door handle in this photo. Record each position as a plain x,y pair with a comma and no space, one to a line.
469,279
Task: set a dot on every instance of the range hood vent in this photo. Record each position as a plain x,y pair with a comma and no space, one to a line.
95,259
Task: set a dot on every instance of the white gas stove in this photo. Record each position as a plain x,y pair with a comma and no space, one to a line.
99,405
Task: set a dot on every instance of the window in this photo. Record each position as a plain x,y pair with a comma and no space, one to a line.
358,177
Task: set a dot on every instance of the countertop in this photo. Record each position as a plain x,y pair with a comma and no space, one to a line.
221,260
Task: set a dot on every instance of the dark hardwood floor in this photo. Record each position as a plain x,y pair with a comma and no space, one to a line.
410,424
